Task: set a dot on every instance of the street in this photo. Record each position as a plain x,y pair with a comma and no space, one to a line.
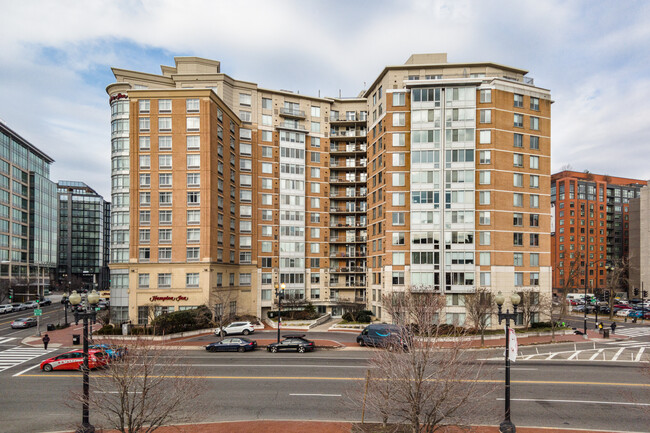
259,385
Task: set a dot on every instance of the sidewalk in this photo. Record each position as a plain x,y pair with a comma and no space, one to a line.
330,427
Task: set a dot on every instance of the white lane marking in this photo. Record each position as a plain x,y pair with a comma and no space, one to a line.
574,355
621,403
617,354
553,355
596,354
26,370
7,340
317,395
638,356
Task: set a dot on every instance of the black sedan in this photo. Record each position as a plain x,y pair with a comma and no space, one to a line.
238,344
292,342
25,322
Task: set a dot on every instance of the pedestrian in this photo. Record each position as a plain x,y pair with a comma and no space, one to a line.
613,326
600,327
46,341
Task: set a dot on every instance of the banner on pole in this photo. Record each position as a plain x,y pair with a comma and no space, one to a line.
514,348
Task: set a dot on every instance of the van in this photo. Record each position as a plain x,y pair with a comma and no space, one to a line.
384,335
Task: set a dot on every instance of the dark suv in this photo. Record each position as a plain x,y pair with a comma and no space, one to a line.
385,336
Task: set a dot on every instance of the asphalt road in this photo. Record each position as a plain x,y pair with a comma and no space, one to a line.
51,314
259,385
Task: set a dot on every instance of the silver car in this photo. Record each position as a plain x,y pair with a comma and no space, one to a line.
236,328
6,308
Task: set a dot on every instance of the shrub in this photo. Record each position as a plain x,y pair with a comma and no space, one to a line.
348,317
541,325
182,321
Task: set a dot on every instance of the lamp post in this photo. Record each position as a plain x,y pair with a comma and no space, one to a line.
66,302
506,425
91,298
279,292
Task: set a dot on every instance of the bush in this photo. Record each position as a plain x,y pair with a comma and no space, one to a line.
109,330
182,321
541,325
348,317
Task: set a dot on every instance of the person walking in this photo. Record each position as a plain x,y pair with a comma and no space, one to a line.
613,326
600,327
46,341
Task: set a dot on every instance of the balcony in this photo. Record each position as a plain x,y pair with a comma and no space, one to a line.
336,224
345,254
344,195
342,179
349,118
346,164
290,112
357,133
348,148
294,126
347,270
348,285
344,240
348,209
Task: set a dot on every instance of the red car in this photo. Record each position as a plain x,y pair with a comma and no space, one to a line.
74,360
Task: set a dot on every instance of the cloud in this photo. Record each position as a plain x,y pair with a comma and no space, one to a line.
56,59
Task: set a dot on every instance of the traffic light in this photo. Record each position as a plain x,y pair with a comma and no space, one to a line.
636,292
645,293
607,296
11,293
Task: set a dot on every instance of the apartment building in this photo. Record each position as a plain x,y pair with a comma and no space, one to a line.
640,240
28,216
436,177
84,235
591,219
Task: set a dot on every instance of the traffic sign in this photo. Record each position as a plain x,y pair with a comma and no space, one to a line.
38,312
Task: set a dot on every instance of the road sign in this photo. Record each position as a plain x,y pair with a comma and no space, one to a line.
38,312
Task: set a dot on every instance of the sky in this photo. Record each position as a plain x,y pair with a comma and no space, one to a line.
56,59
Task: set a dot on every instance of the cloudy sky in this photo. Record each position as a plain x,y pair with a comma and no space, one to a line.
55,59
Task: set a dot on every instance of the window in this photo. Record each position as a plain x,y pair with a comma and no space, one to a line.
534,142
398,278
518,259
399,179
484,177
165,179
315,127
534,103
193,236
164,281
534,239
244,99
315,111
164,124
193,216
145,162
244,279
398,258
399,159
484,157
518,239
517,199
534,220
519,120
267,136
534,162
145,217
145,142
193,123
534,278
165,161
518,219
399,119
534,123
484,218
398,238
192,279
193,254
165,105
192,105
518,160
485,137
267,168
144,105
485,279
399,99
399,139
314,156
485,96
267,104
534,200
143,281
519,279
399,199
193,179
399,218
484,197
534,259
518,180
534,181
164,142
486,116
164,254
518,140
519,100
193,198
165,217
144,124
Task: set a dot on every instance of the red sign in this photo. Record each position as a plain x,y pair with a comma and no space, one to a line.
118,96
168,298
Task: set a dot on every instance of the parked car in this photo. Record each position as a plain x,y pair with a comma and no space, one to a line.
603,309
31,304
6,308
637,314
622,313
74,360
46,301
385,336
236,328
292,342
25,322
232,344
113,352
18,306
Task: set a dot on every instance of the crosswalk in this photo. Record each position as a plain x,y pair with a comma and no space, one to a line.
6,340
637,331
17,355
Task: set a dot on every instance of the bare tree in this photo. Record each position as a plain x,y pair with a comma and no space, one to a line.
220,300
570,279
530,306
480,309
431,382
145,390
566,167
617,279
5,285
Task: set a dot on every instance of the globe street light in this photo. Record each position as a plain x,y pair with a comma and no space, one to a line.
506,425
75,299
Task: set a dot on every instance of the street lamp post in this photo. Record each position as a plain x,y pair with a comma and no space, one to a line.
66,302
279,292
91,298
506,425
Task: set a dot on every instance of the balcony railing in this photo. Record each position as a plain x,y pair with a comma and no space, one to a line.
291,125
347,285
355,133
344,224
336,254
349,269
356,179
290,112
357,194
349,240
348,148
